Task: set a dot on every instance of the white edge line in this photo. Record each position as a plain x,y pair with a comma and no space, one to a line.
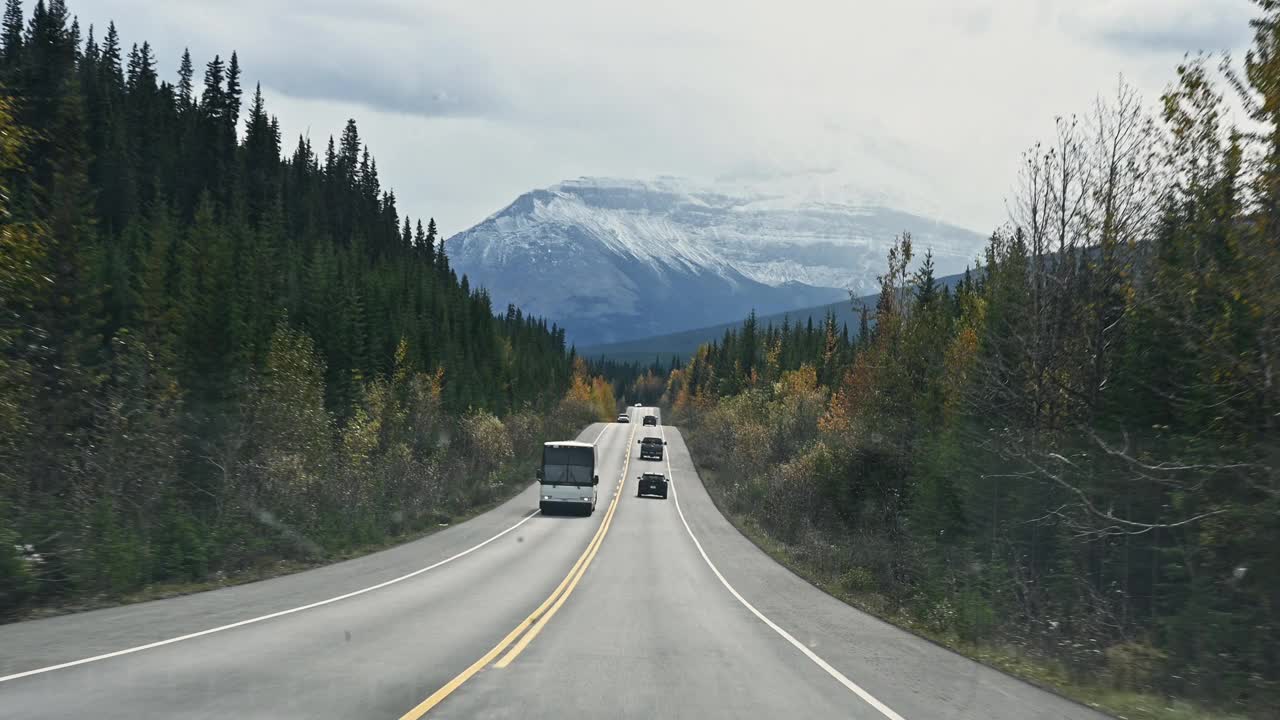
250,621
601,434
853,687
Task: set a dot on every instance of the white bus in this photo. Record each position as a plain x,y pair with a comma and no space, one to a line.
568,477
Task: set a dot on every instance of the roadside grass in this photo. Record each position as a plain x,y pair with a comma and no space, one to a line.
1041,672
262,571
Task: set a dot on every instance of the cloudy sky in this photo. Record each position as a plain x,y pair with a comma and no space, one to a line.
468,103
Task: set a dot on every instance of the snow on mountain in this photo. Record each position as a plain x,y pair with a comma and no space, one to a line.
613,259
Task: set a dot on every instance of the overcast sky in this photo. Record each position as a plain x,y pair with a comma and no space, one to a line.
468,103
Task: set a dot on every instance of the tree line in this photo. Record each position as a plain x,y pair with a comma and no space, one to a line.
1076,453
634,381
216,351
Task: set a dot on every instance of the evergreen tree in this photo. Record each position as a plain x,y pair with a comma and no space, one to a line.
109,63
213,97
923,282
11,36
186,72
231,101
349,153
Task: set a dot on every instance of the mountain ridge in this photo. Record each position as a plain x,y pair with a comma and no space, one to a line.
614,259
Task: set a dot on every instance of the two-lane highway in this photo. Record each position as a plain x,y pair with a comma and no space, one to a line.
649,608
653,634
683,617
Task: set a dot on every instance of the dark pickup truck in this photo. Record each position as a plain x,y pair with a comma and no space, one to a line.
651,420
651,448
652,484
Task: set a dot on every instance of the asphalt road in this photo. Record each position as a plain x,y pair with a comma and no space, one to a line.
648,608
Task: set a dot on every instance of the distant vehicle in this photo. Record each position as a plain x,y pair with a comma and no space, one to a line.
652,484
624,418
639,405
651,420
568,477
651,448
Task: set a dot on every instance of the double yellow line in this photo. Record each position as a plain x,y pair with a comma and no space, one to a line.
539,617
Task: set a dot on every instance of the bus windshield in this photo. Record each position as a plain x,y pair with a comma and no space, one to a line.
568,465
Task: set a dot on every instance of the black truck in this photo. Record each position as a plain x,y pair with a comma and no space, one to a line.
651,448
652,484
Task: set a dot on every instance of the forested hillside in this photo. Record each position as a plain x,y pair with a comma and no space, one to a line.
216,351
1069,463
684,344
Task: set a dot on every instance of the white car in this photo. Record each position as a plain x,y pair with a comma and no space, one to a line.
639,405
624,418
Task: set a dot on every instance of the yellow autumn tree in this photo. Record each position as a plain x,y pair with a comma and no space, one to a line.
594,392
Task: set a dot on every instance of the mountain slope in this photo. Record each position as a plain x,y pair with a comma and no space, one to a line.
617,259
686,342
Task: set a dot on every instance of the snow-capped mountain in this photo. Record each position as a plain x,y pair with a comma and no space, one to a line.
612,259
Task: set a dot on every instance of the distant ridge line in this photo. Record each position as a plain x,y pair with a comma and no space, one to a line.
686,342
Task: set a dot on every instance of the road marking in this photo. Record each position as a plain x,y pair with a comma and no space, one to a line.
853,687
566,586
542,622
601,434
604,530
250,621
434,699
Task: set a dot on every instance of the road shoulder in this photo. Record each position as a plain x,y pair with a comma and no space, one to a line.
912,675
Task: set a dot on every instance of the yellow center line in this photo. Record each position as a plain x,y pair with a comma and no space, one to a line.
570,581
604,529
542,622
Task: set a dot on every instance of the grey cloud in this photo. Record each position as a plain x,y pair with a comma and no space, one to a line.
379,11
1223,36
758,172
386,55
430,91
975,21
386,60
1209,25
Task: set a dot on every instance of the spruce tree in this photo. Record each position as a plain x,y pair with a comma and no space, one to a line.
231,102
924,285
71,312
11,36
159,283
330,159
212,98
186,72
109,68
349,153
